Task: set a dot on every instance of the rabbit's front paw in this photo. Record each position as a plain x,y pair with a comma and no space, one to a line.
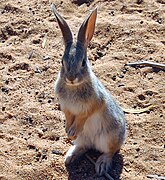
69,157
71,132
73,153
103,164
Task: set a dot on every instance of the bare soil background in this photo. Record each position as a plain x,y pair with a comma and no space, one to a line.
32,136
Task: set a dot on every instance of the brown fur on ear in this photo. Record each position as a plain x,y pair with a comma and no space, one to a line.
91,26
87,28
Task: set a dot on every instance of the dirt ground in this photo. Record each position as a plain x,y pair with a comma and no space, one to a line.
33,141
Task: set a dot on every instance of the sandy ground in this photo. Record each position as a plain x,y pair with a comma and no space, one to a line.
32,136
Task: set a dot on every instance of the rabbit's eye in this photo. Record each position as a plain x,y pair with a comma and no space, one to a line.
83,62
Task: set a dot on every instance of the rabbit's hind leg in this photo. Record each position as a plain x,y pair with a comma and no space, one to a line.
104,162
73,154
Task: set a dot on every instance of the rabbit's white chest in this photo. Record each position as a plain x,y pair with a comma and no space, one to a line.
73,107
93,136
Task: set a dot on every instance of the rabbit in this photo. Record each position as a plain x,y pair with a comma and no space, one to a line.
94,120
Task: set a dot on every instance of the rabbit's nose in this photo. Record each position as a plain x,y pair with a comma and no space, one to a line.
70,77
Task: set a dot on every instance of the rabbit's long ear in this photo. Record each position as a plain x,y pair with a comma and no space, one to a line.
66,32
87,28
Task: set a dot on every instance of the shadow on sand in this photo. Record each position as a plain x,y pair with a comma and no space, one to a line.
83,169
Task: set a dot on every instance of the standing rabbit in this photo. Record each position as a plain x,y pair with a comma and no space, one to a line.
93,118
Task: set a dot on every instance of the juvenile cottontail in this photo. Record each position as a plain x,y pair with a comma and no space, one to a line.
93,118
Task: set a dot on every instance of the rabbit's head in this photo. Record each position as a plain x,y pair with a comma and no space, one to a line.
75,66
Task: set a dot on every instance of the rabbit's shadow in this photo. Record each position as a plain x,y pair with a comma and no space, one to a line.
83,169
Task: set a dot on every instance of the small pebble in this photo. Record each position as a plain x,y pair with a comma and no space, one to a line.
150,76
44,129
114,78
30,55
10,115
49,101
29,120
44,156
38,70
121,76
7,82
99,53
56,152
138,149
124,71
141,97
121,85
5,90
40,100
40,132
30,146
139,1
38,156
136,156
46,58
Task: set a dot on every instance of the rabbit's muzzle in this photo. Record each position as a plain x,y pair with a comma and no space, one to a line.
72,80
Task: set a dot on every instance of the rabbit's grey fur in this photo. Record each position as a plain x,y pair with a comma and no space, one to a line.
93,118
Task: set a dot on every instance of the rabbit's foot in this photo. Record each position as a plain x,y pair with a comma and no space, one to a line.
73,153
103,164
